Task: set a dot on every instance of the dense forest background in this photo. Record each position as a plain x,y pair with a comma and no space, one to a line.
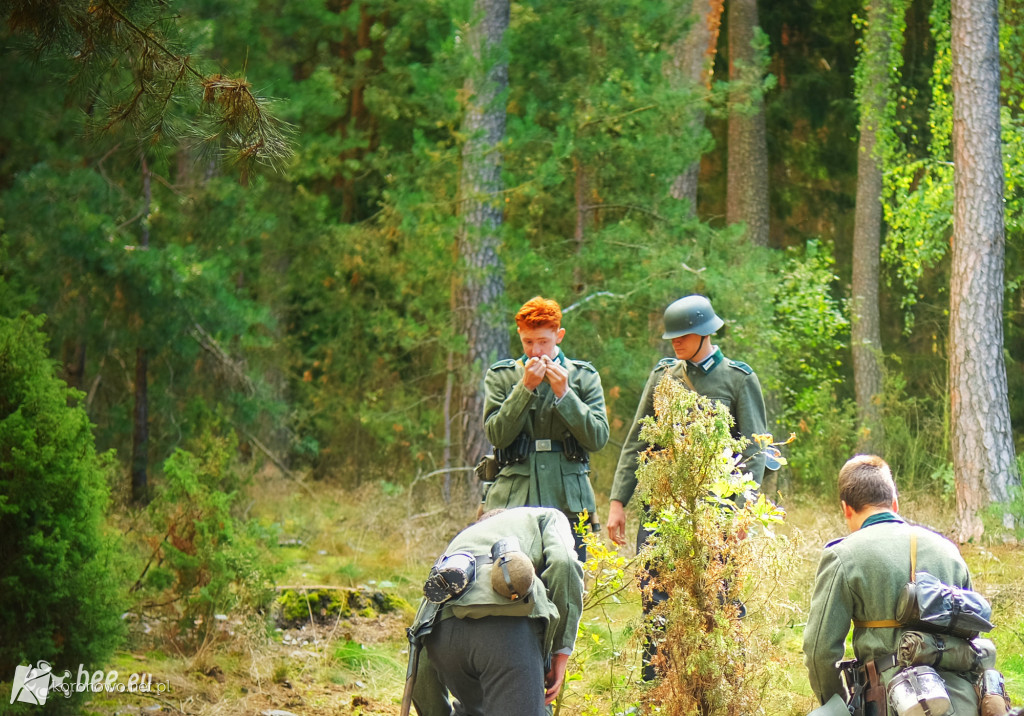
316,306
269,243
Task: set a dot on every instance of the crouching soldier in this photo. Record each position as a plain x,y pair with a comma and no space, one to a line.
896,582
499,617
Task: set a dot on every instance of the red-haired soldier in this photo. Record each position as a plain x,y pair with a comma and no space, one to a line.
544,413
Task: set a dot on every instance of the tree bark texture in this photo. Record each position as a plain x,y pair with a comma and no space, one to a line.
140,411
358,128
140,429
747,183
866,337
477,312
982,442
693,58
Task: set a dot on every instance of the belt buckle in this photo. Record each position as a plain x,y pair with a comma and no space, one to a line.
542,446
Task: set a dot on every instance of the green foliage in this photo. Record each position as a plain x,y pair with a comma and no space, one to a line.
132,62
809,329
601,638
707,554
826,437
363,659
917,437
802,363
204,561
58,599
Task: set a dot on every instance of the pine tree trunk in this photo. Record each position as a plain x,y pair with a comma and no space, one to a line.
982,441
478,310
140,429
747,184
140,411
693,57
866,337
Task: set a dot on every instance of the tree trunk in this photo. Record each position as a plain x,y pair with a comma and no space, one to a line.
140,412
693,58
358,122
866,337
585,220
140,429
477,313
747,183
983,452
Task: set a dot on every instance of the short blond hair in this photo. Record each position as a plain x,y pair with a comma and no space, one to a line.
866,480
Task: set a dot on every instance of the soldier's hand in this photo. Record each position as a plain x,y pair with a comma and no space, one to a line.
617,522
557,377
534,374
554,678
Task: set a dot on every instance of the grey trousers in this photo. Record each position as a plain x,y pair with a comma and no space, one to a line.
494,666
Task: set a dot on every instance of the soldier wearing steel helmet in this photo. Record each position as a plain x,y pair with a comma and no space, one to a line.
690,324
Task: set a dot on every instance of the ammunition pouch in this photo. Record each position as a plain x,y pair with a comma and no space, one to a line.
574,451
514,453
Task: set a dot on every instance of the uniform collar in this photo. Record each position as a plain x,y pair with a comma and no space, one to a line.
710,363
880,517
560,358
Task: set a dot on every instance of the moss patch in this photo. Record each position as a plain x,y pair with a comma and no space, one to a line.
295,606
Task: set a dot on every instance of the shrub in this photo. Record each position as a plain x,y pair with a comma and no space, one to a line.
204,561
58,601
708,555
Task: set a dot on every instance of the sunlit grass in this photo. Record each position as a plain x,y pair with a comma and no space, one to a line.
388,539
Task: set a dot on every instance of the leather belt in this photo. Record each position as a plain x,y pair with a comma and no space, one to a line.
883,663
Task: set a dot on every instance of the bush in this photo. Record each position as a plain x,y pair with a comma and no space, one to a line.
204,561
707,555
58,601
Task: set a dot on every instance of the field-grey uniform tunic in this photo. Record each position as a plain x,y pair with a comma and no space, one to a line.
553,606
730,382
859,579
546,478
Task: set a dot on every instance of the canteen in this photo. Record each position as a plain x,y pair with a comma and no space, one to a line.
918,691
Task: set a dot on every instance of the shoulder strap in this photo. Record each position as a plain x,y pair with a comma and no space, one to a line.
892,623
681,373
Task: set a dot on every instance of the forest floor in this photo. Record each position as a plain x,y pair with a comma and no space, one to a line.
385,538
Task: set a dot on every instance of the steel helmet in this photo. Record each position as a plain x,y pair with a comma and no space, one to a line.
691,314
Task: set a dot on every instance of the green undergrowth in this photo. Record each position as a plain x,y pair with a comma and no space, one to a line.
349,660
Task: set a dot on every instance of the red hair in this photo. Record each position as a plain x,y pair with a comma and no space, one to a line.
540,312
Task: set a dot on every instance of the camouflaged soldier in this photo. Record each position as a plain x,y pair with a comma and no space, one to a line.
700,365
544,413
859,580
